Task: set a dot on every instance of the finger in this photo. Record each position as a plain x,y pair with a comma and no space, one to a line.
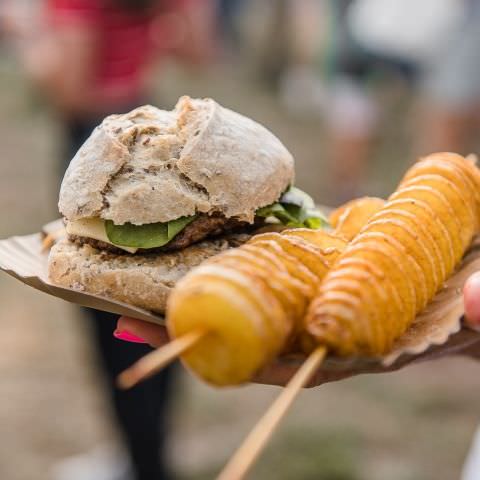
155,335
471,294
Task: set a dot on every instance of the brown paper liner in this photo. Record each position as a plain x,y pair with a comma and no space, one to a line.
25,259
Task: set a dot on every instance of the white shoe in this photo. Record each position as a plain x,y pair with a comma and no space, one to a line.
471,467
102,463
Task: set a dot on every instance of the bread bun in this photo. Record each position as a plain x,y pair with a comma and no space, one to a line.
144,281
151,165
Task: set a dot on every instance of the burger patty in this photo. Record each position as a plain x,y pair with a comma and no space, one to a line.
202,227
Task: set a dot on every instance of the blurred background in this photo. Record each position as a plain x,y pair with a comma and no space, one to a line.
355,89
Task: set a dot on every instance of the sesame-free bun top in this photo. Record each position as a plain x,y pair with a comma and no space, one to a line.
151,165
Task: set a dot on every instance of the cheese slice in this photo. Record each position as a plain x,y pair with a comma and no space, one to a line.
93,228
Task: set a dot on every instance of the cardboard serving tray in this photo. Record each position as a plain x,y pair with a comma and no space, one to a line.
436,330
25,258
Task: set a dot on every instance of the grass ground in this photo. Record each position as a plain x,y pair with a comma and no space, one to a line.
411,425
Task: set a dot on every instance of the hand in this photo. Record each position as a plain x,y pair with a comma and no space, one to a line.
472,301
280,371
145,332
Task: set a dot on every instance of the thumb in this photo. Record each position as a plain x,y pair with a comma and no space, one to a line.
471,295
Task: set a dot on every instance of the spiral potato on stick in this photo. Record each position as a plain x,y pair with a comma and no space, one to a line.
249,301
385,276
399,260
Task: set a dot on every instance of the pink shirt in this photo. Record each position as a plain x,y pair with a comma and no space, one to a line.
126,42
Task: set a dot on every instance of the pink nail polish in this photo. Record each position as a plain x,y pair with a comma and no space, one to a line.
127,336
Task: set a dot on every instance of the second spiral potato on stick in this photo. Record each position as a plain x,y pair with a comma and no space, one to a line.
399,260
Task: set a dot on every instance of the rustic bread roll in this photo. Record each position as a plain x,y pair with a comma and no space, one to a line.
144,281
151,165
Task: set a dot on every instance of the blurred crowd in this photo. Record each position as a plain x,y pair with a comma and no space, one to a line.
344,65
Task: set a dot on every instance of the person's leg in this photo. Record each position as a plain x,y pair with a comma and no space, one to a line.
142,412
352,121
450,93
444,129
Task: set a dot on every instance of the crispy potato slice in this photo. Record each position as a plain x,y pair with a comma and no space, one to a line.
424,234
402,236
452,171
385,289
236,346
440,204
415,274
294,267
367,329
305,253
349,219
276,322
326,328
298,288
330,245
458,199
433,223
259,251
384,256
445,163
292,301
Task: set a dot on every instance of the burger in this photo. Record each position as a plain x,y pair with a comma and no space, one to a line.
152,193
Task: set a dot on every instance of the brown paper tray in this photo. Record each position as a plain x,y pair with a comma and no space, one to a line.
22,258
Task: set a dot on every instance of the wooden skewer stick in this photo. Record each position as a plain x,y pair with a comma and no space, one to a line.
158,359
51,238
253,445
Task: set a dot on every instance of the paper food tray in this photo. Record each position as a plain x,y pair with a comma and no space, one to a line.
23,258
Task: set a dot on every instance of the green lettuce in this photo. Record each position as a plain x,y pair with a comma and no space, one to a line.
295,209
150,235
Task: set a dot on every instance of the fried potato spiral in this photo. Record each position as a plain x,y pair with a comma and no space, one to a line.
250,301
399,259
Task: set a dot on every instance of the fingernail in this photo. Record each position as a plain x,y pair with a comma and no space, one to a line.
127,336
472,301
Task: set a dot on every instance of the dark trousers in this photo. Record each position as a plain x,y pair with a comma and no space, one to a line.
142,412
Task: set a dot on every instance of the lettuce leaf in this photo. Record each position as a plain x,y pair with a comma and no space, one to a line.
295,209
150,235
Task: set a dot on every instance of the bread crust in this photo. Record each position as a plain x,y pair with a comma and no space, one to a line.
144,281
151,165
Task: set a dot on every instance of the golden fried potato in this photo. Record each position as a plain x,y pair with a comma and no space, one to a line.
305,253
294,267
385,291
425,236
274,274
349,219
441,206
432,223
235,344
403,236
330,244
282,286
409,247
461,204
450,166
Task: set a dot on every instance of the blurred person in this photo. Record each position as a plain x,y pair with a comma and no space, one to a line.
373,46
449,94
228,13
89,59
